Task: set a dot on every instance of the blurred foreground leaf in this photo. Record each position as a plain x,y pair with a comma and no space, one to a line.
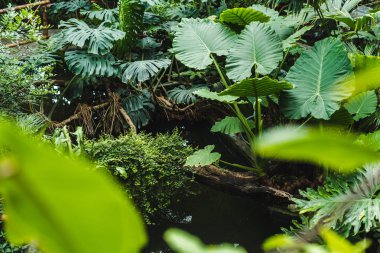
61,205
329,148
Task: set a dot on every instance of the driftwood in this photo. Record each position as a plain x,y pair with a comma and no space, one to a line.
244,183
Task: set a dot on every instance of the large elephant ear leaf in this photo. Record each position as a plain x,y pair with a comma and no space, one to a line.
259,47
362,105
256,87
196,39
318,76
243,16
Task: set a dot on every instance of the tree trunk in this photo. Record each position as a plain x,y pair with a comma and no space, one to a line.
244,183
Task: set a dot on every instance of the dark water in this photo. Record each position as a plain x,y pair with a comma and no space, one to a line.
216,217
213,215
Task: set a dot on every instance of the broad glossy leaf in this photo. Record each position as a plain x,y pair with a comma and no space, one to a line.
256,87
183,242
143,70
60,204
257,47
229,125
309,145
243,16
318,77
207,94
99,40
85,64
273,14
203,157
196,39
362,105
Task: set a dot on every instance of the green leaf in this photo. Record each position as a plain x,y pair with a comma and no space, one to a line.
256,87
294,37
243,16
181,95
203,157
142,71
279,241
273,14
86,65
371,140
338,244
229,125
196,39
109,15
362,105
317,76
183,242
308,145
98,40
257,47
207,94
60,204
131,21
366,69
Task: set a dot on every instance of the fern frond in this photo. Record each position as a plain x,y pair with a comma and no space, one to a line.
348,207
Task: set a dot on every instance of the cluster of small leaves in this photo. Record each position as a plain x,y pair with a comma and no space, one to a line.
23,24
150,167
18,78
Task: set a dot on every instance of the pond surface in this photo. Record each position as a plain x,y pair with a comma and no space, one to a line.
216,217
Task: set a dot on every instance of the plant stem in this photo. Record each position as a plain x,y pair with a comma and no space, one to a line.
60,98
259,125
236,108
255,170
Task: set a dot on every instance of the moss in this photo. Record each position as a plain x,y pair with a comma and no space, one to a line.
150,167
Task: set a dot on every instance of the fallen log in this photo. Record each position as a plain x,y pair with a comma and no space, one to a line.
243,183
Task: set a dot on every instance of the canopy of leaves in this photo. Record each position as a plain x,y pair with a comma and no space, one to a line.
317,76
85,64
258,48
196,39
243,16
362,105
203,157
98,40
46,184
256,87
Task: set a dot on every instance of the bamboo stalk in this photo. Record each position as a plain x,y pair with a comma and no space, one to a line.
40,3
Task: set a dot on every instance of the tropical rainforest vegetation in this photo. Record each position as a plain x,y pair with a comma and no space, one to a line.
115,113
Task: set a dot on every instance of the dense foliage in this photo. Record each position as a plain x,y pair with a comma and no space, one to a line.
115,68
150,167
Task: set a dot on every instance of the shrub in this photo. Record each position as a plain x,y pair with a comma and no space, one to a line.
151,167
